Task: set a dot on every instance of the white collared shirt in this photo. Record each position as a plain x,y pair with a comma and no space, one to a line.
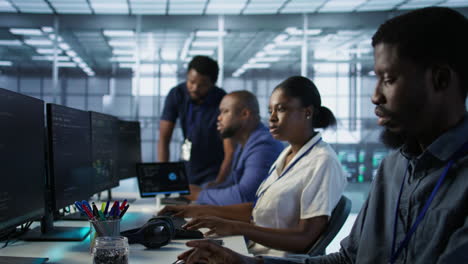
311,188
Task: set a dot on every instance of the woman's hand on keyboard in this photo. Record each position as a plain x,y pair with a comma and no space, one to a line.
218,226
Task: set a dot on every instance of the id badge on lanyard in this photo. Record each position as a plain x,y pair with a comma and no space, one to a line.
185,150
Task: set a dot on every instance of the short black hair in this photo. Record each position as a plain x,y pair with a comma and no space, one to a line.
247,100
205,66
305,90
429,36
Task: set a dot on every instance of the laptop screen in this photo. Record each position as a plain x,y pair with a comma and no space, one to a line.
162,178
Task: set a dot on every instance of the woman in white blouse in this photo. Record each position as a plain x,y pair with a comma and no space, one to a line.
304,185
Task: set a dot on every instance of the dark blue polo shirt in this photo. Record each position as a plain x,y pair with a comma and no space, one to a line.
198,123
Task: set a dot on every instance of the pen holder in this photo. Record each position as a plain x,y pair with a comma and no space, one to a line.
103,228
110,250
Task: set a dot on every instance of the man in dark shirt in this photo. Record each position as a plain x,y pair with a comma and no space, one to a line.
195,103
417,209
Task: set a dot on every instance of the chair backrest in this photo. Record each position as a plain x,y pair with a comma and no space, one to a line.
337,219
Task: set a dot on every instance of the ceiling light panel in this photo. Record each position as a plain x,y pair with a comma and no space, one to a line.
10,42
379,5
38,42
208,33
149,7
225,7
455,3
188,8
26,31
110,6
263,7
200,52
71,7
32,6
418,4
341,5
301,6
118,33
6,63
5,6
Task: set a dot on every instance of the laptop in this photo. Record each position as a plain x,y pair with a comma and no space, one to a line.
162,178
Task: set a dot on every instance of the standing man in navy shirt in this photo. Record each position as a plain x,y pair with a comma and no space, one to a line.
195,103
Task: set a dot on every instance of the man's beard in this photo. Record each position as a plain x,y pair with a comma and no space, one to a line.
229,132
392,140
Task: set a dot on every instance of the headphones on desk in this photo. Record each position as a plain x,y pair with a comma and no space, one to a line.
156,233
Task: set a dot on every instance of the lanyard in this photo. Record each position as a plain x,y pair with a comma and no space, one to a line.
285,171
395,253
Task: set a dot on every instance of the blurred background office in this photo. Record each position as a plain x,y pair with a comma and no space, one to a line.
121,57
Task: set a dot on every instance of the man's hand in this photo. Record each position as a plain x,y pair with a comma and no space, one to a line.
206,251
194,192
218,226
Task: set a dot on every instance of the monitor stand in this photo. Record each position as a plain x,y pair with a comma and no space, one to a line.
47,232
22,260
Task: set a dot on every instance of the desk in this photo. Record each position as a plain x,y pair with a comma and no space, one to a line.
78,252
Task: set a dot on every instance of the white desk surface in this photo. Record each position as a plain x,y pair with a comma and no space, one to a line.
78,252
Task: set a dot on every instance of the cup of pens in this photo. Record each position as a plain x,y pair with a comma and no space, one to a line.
104,222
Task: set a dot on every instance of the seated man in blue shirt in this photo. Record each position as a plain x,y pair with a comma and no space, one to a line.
256,151
417,209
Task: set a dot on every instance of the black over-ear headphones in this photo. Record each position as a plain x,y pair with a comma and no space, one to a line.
156,233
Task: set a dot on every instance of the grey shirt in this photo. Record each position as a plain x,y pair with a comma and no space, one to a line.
442,235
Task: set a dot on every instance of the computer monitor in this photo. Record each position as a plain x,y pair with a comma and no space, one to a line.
22,155
379,152
348,155
23,169
162,178
104,147
71,173
129,153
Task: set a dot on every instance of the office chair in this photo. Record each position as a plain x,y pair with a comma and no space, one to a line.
337,219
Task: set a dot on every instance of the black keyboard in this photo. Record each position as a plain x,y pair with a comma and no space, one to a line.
187,234
181,233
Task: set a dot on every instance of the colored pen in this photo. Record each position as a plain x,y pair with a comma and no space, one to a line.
78,206
90,215
116,203
124,211
101,215
95,210
107,207
97,213
84,202
117,210
124,203
102,206
111,213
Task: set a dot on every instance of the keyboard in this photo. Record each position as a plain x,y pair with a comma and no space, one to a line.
181,233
